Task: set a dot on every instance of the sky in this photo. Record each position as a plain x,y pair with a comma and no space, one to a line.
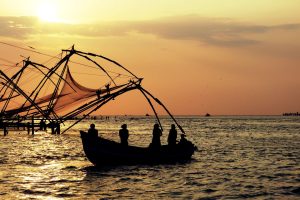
223,57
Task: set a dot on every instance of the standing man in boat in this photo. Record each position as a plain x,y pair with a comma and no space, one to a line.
93,132
107,89
172,136
156,136
98,92
123,133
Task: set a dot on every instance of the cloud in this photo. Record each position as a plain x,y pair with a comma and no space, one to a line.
220,32
211,31
17,27
217,32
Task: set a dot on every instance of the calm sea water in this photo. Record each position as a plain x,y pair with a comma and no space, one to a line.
239,158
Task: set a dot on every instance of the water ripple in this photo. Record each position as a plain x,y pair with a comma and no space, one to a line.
238,157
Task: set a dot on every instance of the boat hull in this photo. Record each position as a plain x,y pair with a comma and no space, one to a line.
102,152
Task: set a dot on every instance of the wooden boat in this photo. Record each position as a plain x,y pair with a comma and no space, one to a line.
102,152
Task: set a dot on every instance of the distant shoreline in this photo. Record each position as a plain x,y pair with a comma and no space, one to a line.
291,114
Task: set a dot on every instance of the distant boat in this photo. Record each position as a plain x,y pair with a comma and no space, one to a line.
101,152
207,115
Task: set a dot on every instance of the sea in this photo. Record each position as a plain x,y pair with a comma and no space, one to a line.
238,157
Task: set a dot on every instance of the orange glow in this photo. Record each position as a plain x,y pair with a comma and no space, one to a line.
201,57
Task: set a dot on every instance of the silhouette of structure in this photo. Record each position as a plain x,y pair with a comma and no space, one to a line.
55,96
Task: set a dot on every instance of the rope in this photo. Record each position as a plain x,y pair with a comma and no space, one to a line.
57,57
12,45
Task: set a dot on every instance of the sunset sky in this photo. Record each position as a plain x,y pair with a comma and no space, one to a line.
214,56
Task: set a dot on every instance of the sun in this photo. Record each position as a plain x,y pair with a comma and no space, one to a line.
47,11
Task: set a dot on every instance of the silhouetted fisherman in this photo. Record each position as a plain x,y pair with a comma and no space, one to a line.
5,129
183,141
43,125
98,92
52,127
123,133
107,88
156,137
57,131
172,136
28,128
93,132
18,122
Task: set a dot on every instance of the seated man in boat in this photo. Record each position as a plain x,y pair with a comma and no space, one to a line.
172,136
183,140
93,132
186,144
123,133
157,133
